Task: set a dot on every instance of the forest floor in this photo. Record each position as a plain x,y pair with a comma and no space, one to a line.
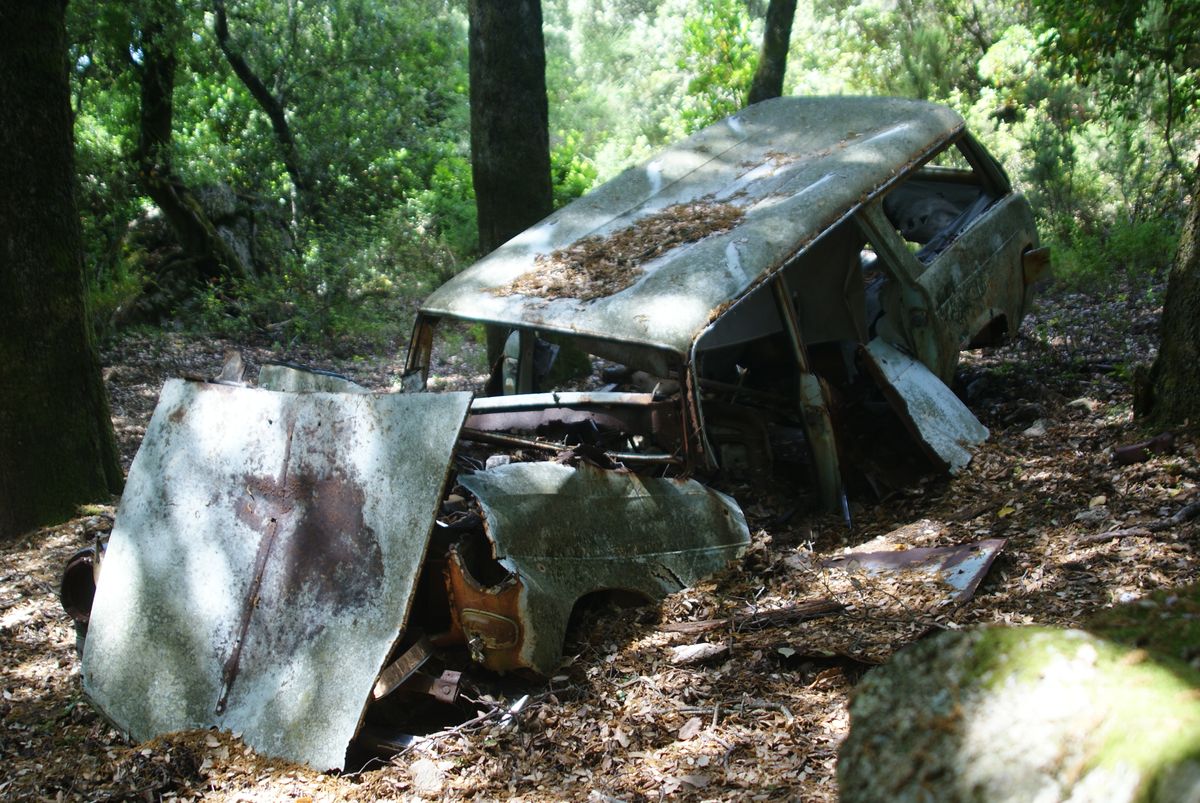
639,712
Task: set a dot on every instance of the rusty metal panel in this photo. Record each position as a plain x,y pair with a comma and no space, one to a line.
791,167
263,562
565,532
566,399
946,429
962,567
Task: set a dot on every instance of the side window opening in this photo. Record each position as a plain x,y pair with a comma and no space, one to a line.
535,361
937,203
747,348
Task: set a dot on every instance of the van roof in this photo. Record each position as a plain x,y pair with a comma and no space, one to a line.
654,255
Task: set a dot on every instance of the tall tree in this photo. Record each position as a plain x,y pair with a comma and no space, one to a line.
1123,45
272,104
210,257
510,141
56,440
1117,44
772,61
1170,395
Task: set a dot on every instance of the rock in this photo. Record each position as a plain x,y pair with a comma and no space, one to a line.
1036,430
691,654
1092,514
218,200
1084,404
1026,413
496,460
1021,714
981,388
237,235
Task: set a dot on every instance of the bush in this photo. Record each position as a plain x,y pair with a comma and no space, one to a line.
1135,255
345,285
571,172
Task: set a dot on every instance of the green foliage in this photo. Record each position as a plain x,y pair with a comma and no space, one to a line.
445,208
1090,107
375,94
353,285
571,172
719,58
1131,256
1138,56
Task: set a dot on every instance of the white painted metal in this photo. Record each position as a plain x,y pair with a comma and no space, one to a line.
795,166
264,560
939,420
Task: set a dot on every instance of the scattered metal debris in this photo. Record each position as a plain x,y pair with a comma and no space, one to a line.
960,567
266,551
647,535
1142,451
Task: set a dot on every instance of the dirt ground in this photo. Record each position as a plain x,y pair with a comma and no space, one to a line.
727,691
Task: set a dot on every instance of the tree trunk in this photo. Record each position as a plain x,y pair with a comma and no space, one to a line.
510,143
272,106
510,140
772,62
212,257
1170,395
56,440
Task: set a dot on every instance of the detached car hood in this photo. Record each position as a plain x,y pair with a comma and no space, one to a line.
264,562
270,545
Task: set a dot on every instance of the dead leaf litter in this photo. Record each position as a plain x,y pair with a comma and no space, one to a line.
753,707
602,265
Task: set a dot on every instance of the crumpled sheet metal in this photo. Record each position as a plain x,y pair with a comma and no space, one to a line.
946,429
962,566
263,562
567,532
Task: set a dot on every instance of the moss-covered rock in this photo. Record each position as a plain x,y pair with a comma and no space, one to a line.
1024,714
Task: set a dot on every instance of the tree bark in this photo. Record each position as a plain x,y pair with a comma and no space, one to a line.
772,61
1170,395
212,258
56,441
510,142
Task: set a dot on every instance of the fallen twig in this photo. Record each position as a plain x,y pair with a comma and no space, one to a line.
751,704
1128,532
760,620
1182,516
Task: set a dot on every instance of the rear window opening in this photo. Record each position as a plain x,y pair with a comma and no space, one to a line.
941,199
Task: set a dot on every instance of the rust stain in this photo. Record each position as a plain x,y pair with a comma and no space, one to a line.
491,615
316,557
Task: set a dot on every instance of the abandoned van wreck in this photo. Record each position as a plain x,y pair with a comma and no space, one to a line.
288,557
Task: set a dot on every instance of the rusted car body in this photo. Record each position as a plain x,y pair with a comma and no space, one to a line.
286,556
774,268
